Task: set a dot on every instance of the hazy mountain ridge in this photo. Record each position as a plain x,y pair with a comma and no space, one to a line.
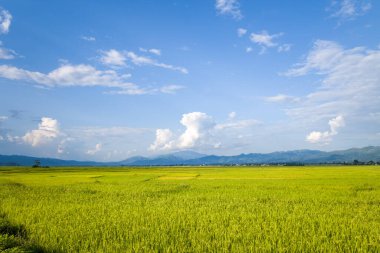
365,154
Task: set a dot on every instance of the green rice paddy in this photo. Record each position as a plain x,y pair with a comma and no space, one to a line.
190,209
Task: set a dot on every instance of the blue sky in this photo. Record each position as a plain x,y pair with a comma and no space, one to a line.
106,80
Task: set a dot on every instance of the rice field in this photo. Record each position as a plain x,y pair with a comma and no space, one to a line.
190,209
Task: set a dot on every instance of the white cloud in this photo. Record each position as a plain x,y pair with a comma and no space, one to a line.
143,60
171,89
3,118
324,56
284,48
232,115
265,39
155,51
237,124
164,140
88,38
106,132
248,49
326,137
1,138
151,50
350,82
7,54
96,149
241,32
197,126
5,20
73,75
281,98
349,9
113,57
48,129
87,76
229,7
201,131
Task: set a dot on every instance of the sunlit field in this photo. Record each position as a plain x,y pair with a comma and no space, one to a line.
190,209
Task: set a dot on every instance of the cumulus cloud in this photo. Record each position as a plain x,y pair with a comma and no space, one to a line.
197,126
349,9
95,150
229,7
5,20
248,49
326,137
48,129
201,131
163,141
350,81
241,32
3,118
113,57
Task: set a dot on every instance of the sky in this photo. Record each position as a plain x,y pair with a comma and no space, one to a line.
108,80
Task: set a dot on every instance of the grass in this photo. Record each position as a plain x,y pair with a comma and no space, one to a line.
185,209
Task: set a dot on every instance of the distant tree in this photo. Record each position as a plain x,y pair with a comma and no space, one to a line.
37,164
356,162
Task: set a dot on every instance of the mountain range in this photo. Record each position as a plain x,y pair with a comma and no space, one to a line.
365,154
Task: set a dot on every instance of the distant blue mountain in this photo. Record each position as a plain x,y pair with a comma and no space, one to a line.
193,158
19,160
298,156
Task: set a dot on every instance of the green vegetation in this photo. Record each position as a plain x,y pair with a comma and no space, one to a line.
278,209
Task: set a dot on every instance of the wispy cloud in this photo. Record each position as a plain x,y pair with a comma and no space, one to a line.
266,40
114,57
69,75
88,38
5,20
281,98
349,86
229,7
7,54
284,48
154,51
144,60
349,9
171,89
241,32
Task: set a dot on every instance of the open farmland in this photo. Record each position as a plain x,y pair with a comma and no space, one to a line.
188,209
